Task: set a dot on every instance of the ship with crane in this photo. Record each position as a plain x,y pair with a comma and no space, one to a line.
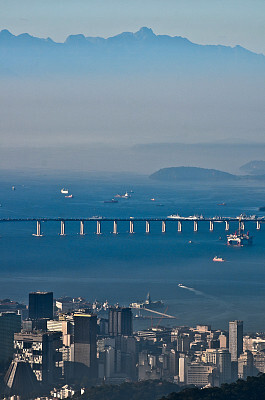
148,303
239,238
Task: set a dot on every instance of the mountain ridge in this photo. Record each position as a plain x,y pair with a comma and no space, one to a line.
143,33
141,53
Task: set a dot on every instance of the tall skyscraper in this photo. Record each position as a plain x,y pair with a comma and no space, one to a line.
85,345
235,339
120,321
41,305
9,324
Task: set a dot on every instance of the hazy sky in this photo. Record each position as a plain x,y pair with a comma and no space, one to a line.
228,22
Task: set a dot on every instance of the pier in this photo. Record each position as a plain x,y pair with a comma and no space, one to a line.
99,221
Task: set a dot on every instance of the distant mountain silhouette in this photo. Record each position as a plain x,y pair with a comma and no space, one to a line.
254,168
175,174
139,52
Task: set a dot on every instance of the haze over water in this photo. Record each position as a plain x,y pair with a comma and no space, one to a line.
123,268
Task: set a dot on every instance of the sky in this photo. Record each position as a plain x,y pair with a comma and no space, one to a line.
61,114
228,22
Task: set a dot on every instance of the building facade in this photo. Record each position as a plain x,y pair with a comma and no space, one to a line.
235,339
42,351
85,345
120,321
40,305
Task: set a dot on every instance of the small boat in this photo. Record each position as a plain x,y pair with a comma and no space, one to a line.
222,204
218,259
111,201
64,191
69,197
190,241
153,199
13,188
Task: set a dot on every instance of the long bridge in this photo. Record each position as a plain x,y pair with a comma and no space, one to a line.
131,221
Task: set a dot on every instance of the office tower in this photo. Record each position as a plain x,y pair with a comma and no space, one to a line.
41,305
235,339
9,324
224,365
120,321
42,351
85,345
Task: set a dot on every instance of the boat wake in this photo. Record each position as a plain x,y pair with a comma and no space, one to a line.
191,289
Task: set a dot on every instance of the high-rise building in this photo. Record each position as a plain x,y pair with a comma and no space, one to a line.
224,365
235,339
42,351
85,345
9,324
41,305
120,321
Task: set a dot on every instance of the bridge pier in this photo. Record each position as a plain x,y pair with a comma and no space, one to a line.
211,226
147,227
242,225
258,225
82,228
131,227
62,228
227,225
98,227
38,232
115,227
163,226
195,226
179,226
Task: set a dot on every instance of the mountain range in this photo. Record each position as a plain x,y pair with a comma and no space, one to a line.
140,52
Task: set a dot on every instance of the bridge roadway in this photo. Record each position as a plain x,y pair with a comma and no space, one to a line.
132,220
136,219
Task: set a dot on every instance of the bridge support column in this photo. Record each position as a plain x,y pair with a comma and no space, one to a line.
82,228
179,226
258,225
98,227
195,226
242,226
147,227
62,228
211,226
226,225
38,232
163,226
115,227
131,227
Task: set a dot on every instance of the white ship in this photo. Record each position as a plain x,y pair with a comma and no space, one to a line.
191,217
64,191
218,259
123,196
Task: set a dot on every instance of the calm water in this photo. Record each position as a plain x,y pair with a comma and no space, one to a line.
125,267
